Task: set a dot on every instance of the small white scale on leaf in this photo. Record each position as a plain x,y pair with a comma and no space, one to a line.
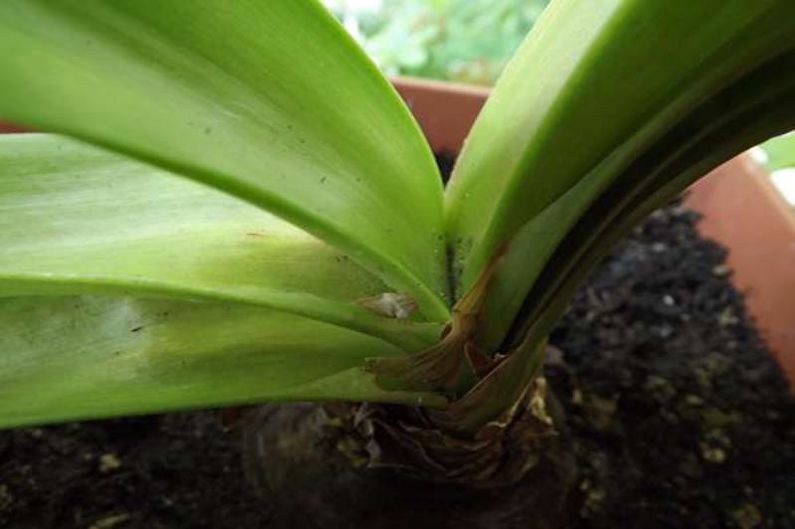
390,304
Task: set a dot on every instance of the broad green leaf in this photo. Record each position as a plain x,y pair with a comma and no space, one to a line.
691,149
80,357
688,151
75,219
268,101
704,141
754,108
592,90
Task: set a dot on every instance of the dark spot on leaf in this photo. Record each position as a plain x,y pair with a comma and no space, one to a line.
136,329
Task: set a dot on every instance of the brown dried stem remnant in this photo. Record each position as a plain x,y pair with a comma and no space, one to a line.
499,454
456,361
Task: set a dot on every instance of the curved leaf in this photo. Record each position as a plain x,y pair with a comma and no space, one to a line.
75,219
591,90
688,151
94,356
692,149
269,101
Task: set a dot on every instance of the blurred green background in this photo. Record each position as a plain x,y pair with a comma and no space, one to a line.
467,41
778,157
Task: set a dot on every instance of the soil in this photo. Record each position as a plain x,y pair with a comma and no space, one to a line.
681,418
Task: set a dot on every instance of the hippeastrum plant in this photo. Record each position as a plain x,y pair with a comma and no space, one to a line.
232,205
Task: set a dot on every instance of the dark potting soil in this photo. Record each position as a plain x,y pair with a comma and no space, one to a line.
680,417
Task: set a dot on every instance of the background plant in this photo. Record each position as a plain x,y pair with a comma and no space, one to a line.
778,157
461,40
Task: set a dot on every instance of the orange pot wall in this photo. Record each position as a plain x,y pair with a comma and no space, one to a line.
445,111
744,212
741,210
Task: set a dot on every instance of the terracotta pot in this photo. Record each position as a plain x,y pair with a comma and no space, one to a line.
741,210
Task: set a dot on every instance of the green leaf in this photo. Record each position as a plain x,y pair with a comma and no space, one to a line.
687,152
96,356
592,90
75,219
268,101
760,106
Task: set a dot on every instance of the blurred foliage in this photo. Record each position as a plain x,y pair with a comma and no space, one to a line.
780,152
460,40
779,160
